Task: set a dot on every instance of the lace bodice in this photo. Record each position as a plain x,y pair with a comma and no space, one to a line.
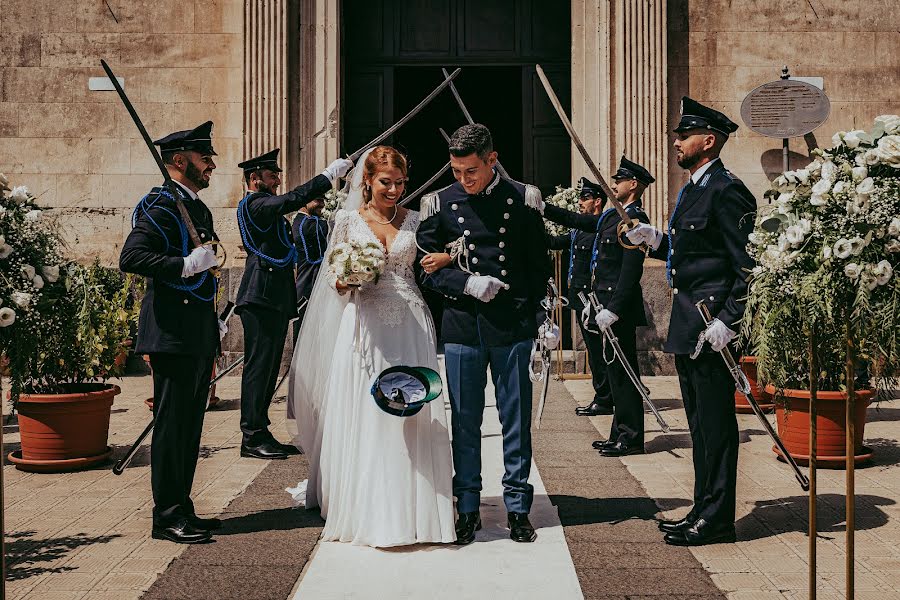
396,287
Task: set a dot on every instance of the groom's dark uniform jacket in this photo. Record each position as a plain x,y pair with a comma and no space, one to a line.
503,236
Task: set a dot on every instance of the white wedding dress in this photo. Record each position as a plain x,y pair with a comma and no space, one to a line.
379,480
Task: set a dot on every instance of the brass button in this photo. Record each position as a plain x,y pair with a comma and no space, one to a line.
471,246
609,289
467,232
692,226
502,244
503,271
460,220
506,215
672,251
712,297
270,269
474,260
454,206
502,258
185,300
673,271
503,230
202,235
674,290
672,231
509,201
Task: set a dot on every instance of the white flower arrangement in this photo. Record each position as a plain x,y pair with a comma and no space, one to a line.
356,264
566,199
334,201
827,252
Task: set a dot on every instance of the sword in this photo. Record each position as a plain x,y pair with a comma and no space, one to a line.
390,130
743,386
469,118
167,179
627,223
613,341
549,304
433,178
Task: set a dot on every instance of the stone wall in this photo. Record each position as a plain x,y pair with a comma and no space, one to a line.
77,149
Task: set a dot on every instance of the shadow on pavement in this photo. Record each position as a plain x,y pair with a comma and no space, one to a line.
277,519
24,554
576,510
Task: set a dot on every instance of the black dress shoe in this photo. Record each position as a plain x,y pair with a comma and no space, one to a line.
466,526
204,524
678,525
266,450
601,444
621,449
520,529
593,409
181,532
701,533
290,449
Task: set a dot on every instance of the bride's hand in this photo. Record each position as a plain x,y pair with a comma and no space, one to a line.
435,261
341,287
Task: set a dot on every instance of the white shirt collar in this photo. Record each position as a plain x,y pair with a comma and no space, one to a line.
695,178
190,194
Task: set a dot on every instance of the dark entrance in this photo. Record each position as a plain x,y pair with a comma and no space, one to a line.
394,51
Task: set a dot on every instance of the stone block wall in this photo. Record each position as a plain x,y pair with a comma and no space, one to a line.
78,150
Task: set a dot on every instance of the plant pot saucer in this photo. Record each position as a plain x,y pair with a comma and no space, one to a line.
56,466
829,462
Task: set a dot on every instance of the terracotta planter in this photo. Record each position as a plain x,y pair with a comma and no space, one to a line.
762,396
64,432
792,412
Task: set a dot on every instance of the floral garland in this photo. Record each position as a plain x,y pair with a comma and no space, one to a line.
566,199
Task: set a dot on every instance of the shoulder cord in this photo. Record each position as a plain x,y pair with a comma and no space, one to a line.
144,205
243,217
318,240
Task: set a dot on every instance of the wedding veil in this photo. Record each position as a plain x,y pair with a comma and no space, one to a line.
310,369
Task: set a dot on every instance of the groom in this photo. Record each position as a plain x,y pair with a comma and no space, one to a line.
490,308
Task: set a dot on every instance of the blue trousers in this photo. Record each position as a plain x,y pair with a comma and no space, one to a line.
467,378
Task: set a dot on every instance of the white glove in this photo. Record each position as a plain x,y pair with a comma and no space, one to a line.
338,168
605,319
223,329
718,335
645,234
200,259
550,335
484,287
585,313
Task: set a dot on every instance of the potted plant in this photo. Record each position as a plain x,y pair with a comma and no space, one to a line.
62,325
825,291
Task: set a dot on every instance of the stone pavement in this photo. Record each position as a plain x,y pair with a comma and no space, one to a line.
769,561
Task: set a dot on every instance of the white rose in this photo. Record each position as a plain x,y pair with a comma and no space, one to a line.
37,282
823,186
872,157
857,245
32,215
859,204
785,198
802,175
28,271
851,139
818,199
794,235
51,274
860,159
838,138
842,248
852,270
892,246
840,186
829,170
882,272
891,123
19,194
866,186
5,250
859,173
889,150
894,227
7,316
21,299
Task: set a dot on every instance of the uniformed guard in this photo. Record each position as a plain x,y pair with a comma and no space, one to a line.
491,298
580,245
267,297
617,282
706,259
310,239
178,326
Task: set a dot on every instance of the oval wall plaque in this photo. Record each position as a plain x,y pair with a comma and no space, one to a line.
785,108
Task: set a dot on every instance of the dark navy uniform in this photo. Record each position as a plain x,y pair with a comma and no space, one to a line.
310,240
178,328
502,236
617,283
267,297
705,249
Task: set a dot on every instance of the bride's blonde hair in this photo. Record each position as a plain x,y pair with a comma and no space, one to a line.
380,156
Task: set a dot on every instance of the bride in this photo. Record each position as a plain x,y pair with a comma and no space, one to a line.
378,479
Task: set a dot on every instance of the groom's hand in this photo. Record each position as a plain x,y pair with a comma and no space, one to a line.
484,287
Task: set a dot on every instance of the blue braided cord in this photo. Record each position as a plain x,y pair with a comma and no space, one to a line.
595,251
283,236
571,255
669,234
318,241
145,207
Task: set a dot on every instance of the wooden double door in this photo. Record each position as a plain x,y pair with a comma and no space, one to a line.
393,54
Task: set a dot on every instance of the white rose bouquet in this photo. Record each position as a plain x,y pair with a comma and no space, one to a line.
355,263
334,201
828,251
566,199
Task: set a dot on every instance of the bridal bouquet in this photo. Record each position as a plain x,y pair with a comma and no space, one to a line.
828,252
357,263
566,199
334,201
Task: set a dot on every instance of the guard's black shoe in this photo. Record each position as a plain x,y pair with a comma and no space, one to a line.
266,450
520,529
678,525
466,526
593,409
181,532
289,449
701,533
601,444
204,524
622,449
